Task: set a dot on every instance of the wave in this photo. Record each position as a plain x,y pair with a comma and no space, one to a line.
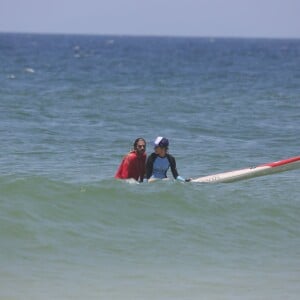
113,227
205,210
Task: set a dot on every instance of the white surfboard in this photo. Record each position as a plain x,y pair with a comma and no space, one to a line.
260,170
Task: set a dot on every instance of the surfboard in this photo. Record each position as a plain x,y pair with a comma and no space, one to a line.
291,163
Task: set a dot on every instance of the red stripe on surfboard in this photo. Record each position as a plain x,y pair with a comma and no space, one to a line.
282,162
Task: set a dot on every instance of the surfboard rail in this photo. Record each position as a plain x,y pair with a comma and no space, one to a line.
291,163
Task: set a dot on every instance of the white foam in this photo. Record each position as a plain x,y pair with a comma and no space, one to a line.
29,70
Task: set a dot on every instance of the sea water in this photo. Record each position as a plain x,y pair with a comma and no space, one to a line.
71,107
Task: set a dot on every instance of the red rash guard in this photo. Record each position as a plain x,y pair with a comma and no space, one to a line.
132,166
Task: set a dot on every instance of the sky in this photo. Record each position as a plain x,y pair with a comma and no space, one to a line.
203,18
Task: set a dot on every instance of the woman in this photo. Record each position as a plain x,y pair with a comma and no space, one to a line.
160,161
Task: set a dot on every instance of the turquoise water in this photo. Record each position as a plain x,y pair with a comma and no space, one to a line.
70,108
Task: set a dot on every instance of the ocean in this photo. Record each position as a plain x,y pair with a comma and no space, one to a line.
71,107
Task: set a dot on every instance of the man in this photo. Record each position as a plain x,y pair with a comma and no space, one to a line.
133,164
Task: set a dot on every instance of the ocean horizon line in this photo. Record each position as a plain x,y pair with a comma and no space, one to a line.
131,35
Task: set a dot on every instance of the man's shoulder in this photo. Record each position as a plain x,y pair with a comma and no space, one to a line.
131,155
